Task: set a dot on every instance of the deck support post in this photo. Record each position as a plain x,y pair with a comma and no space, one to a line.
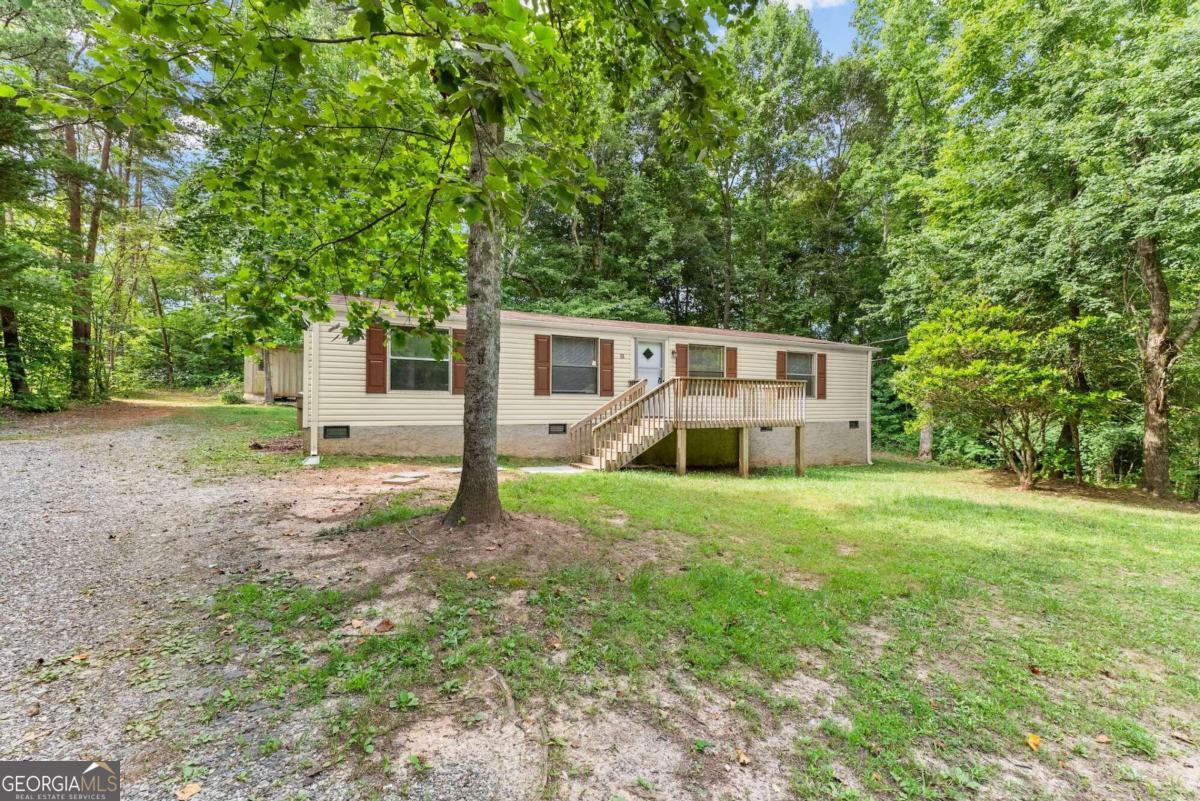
681,451
799,450
744,451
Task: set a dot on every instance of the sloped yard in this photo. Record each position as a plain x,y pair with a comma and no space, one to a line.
897,631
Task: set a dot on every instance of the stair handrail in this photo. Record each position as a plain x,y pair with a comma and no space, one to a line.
610,429
700,402
581,432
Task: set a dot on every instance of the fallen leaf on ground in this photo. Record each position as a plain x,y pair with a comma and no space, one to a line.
620,577
492,579
1035,670
1182,736
187,791
742,758
471,575
1033,741
357,624
555,642
384,626
82,656
1102,739
34,709
760,591
223,616
35,734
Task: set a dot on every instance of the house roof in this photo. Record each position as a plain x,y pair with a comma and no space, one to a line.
556,320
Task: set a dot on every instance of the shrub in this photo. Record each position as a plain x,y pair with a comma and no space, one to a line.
232,394
983,371
27,402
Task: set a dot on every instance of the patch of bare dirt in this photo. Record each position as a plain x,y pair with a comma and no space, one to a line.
871,639
496,759
804,579
85,419
279,445
1118,496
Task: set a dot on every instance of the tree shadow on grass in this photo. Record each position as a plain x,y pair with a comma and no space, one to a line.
1118,496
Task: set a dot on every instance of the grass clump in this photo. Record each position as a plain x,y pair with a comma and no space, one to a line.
222,447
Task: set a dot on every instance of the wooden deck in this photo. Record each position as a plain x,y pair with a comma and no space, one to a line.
625,427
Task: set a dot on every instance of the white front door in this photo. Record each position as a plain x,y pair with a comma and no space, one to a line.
649,357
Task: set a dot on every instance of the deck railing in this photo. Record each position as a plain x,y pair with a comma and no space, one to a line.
581,432
695,403
738,402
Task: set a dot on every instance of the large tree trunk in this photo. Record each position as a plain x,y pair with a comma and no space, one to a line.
1158,350
268,389
925,444
13,358
727,283
81,291
89,259
162,329
478,498
124,172
1080,384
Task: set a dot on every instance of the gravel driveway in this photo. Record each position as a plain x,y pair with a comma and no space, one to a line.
110,551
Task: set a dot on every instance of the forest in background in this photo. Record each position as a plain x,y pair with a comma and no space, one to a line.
1019,186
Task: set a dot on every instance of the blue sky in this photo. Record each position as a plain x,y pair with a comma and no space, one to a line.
831,18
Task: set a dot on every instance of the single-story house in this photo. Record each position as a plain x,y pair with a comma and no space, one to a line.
600,392
287,373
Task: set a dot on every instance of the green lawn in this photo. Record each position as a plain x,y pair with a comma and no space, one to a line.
959,615
955,615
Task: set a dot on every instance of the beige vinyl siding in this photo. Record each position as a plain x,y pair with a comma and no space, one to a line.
846,395
342,374
287,371
344,401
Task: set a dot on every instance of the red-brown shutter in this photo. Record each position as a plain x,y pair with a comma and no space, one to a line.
781,365
376,359
458,383
681,365
606,367
820,376
731,362
541,364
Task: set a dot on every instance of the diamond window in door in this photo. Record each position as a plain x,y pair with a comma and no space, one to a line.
647,354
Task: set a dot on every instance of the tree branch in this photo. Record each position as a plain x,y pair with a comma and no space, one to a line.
1189,329
362,229
349,39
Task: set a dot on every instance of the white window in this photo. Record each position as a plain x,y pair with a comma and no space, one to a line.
574,367
413,365
706,361
801,367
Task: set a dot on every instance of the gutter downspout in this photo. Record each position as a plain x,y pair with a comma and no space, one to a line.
870,426
313,406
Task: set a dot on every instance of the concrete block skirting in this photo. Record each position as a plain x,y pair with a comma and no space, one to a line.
824,443
513,440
